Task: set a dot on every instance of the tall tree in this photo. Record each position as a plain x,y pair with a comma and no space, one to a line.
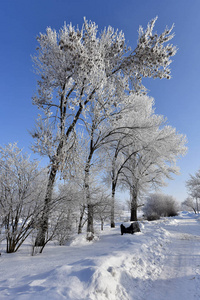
79,67
132,133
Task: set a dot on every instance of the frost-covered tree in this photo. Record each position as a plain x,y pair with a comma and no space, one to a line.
102,208
134,133
78,67
105,131
63,217
193,187
21,195
96,134
191,203
154,163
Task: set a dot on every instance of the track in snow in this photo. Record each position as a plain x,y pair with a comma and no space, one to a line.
180,278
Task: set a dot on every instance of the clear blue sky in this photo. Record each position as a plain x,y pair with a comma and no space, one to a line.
177,99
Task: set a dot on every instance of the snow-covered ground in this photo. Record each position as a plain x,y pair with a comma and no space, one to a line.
161,262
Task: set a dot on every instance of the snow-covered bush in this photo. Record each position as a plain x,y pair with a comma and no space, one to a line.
160,205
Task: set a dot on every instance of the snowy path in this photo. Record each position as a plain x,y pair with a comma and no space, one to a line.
162,262
180,278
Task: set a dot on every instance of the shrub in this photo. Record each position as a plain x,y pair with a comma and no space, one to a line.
152,217
160,205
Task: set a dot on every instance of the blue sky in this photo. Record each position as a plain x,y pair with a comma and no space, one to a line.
177,99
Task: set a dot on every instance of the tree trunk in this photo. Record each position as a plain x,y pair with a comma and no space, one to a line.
90,225
102,222
112,217
80,225
10,247
43,225
10,236
197,205
134,207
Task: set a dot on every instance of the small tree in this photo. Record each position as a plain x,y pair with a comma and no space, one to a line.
21,195
65,213
192,204
193,187
102,208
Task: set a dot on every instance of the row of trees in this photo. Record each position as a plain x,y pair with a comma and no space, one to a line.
97,124
22,191
93,102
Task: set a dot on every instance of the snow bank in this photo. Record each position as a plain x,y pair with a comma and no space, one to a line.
112,267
